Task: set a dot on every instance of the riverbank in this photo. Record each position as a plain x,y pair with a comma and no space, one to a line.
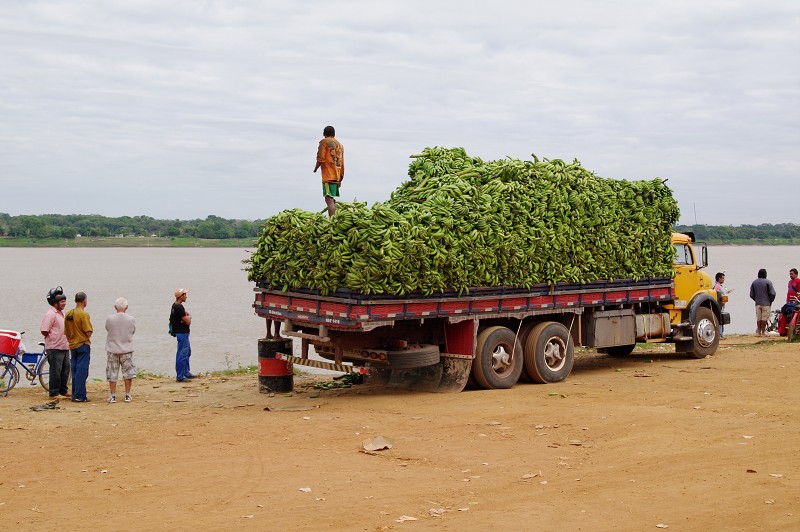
185,242
126,242
634,443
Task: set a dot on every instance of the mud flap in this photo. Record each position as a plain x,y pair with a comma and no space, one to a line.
448,376
455,374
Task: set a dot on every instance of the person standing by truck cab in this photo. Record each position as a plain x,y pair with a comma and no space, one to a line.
78,328
330,157
722,298
763,293
181,322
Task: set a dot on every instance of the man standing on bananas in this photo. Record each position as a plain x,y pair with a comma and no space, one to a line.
330,157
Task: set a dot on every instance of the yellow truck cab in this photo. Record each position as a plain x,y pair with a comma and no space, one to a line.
695,313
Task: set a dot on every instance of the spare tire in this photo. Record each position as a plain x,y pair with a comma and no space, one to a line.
417,356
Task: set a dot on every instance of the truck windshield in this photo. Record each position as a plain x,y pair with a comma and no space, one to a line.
683,254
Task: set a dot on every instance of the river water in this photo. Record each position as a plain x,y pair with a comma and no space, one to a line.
224,328
741,265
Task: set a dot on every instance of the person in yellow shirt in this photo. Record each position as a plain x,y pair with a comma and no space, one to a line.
78,329
330,157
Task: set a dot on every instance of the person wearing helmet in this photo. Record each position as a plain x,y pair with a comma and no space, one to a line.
55,343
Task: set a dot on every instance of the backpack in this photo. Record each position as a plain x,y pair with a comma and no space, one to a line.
171,332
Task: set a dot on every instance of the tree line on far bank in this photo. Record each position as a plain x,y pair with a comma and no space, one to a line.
741,234
91,225
42,226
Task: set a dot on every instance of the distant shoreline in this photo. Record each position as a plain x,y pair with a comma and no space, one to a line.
126,242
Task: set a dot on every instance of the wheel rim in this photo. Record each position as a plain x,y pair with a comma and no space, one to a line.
501,359
555,353
706,332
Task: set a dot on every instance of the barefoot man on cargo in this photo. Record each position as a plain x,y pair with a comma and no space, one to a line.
330,157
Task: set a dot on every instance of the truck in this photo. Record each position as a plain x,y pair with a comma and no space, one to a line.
494,337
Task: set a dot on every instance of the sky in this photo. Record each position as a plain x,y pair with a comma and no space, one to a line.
188,108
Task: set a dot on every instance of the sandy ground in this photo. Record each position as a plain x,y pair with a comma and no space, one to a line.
641,443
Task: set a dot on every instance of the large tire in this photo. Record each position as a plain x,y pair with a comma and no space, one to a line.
549,353
522,336
414,357
9,376
494,366
620,350
705,333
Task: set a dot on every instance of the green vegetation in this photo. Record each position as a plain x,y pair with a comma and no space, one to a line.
460,222
125,242
239,370
69,226
763,234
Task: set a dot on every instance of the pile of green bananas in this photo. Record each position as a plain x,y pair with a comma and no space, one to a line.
460,223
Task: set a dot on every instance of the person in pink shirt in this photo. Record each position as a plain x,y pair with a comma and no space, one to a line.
55,343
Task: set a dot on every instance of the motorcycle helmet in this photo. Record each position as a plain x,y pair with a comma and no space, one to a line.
55,295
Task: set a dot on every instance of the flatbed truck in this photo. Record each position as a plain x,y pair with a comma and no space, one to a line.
491,338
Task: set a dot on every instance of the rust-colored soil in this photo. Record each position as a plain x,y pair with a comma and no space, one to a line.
648,441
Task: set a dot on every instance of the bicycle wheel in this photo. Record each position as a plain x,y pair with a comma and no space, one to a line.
44,374
9,376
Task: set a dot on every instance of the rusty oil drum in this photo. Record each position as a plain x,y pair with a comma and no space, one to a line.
274,375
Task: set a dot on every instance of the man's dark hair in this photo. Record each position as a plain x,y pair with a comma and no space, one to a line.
719,276
329,131
762,273
793,270
80,296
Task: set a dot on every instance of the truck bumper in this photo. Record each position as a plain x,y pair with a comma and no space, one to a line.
725,318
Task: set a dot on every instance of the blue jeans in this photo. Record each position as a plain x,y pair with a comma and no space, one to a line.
182,356
58,359
79,364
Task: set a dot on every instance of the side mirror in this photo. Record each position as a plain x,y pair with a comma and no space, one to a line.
703,256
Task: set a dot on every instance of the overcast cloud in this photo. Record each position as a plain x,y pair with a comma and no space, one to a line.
187,108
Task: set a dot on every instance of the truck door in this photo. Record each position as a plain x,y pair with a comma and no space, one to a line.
687,275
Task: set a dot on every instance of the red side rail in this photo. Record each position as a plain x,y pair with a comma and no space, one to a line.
352,310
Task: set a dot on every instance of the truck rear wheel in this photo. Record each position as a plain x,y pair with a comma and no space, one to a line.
705,333
522,336
498,359
549,353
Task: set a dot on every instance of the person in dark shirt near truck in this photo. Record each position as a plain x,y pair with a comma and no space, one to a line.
181,323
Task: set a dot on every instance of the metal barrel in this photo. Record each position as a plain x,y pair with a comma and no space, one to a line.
274,376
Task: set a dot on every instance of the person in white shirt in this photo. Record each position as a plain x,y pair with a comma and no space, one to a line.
119,346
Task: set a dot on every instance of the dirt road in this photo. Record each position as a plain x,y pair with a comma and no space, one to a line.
639,443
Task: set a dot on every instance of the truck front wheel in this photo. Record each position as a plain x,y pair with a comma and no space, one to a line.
549,353
498,359
705,333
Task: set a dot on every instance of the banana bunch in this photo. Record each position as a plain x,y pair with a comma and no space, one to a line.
460,222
